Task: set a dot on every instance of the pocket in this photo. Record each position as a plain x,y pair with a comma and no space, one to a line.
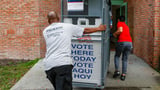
129,48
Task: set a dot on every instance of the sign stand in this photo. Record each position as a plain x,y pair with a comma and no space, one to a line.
91,52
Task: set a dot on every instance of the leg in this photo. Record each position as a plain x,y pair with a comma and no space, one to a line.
68,78
64,78
59,81
119,49
51,76
125,59
126,52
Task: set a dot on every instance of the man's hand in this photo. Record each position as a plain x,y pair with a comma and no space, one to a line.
102,27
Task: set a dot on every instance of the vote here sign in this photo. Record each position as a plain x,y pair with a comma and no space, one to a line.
87,62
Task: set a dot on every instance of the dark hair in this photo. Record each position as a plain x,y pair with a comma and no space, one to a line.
122,18
52,15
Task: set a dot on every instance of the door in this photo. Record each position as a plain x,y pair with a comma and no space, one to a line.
123,11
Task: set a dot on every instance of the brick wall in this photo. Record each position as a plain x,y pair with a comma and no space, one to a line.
143,29
144,16
156,34
21,24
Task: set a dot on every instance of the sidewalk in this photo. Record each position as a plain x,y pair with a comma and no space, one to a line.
140,76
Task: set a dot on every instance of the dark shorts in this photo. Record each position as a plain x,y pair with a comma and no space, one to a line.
61,77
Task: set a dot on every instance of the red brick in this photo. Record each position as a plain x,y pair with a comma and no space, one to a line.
22,23
146,28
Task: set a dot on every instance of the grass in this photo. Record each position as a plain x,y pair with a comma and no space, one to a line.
12,72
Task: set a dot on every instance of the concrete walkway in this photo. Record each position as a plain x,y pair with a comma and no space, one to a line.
140,76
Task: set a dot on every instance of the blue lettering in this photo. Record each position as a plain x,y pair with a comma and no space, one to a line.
82,46
73,45
79,65
85,64
82,76
88,76
85,52
74,70
90,47
88,59
73,52
76,76
79,52
93,59
81,70
82,58
76,58
88,71
90,53
85,46
90,65
79,46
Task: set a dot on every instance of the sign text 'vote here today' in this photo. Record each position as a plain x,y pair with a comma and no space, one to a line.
83,56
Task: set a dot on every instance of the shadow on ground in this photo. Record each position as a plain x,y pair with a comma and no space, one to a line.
116,88
157,78
126,88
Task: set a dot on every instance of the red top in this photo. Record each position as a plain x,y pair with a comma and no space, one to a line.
125,34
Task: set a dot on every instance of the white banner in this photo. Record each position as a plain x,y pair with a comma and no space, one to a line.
75,6
87,62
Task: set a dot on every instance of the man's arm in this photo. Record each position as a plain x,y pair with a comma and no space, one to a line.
120,29
96,29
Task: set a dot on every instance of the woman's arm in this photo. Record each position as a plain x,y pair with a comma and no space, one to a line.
120,29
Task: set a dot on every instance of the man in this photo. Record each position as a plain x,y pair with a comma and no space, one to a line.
58,62
123,46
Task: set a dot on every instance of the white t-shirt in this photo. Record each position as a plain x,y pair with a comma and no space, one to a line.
58,43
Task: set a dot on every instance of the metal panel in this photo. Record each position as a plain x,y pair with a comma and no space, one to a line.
94,7
106,39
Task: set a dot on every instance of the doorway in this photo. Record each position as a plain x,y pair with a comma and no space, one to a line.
119,8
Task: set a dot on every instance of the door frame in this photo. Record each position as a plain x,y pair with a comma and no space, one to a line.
121,3
126,11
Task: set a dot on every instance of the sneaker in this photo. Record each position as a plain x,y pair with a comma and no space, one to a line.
123,77
116,74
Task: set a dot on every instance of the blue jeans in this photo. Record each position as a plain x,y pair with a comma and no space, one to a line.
61,77
123,48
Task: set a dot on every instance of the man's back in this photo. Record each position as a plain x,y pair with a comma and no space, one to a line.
58,43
